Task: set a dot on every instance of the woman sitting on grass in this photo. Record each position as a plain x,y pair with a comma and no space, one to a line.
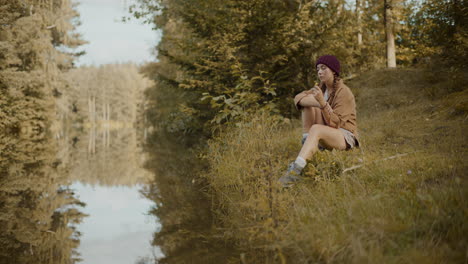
328,117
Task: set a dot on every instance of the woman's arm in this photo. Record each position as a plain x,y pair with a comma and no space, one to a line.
306,99
342,111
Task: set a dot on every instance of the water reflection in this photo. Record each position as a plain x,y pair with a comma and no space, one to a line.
38,212
103,157
117,230
96,197
107,173
188,233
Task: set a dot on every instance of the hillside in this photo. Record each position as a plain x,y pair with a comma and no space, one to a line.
400,198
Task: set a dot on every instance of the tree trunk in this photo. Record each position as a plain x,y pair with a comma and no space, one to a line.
134,109
359,26
92,140
457,10
388,19
93,117
108,112
108,137
90,108
103,111
340,7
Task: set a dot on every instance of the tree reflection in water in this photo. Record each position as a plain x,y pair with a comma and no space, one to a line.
188,234
38,212
108,176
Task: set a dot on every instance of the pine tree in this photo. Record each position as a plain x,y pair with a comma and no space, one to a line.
220,60
31,64
229,58
38,214
99,95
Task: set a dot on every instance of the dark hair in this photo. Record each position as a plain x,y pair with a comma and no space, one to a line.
336,79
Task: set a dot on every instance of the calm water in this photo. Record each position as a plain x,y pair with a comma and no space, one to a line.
118,228
103,197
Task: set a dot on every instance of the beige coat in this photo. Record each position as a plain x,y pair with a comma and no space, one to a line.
340,112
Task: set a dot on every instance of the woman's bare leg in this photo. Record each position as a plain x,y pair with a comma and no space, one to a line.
329,136
310,117
313,124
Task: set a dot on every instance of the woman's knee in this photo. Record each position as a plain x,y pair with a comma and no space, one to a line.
310,110
316,128
316,131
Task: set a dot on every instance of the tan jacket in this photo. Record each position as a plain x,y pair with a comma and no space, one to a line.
340,111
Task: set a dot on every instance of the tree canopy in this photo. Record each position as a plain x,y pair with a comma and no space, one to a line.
220,60
34,37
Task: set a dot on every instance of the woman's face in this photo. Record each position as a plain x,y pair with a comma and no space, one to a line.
324,73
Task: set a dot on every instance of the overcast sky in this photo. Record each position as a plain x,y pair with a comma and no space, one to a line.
109,39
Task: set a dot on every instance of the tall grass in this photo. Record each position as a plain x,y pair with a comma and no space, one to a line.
392,208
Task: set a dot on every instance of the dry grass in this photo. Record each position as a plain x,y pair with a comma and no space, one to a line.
409,209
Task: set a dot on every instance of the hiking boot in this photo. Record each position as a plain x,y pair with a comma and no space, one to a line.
291,176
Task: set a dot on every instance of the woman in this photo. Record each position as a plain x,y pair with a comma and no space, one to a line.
328,117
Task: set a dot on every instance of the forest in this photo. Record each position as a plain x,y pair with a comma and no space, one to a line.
31,74
44,95
228,70
222,60
222,88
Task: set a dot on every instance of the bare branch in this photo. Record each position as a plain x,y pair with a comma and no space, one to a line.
387,158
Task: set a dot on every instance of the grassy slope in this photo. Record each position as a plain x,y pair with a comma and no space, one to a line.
407,209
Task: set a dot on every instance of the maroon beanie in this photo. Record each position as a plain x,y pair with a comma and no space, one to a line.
331,61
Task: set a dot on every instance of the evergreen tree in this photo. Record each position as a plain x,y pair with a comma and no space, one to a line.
220,60
99,95
38,213
440,29
230,58
32,37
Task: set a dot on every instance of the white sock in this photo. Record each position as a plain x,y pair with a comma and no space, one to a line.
300,162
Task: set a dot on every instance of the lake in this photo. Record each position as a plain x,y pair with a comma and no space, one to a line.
105,196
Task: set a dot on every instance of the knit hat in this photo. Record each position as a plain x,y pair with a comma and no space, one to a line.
331,62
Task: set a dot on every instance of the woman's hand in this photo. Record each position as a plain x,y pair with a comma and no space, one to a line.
305,99
317,93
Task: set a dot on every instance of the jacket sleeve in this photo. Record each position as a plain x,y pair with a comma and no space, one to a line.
341,112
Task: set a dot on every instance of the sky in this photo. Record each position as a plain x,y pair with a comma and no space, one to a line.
110,40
